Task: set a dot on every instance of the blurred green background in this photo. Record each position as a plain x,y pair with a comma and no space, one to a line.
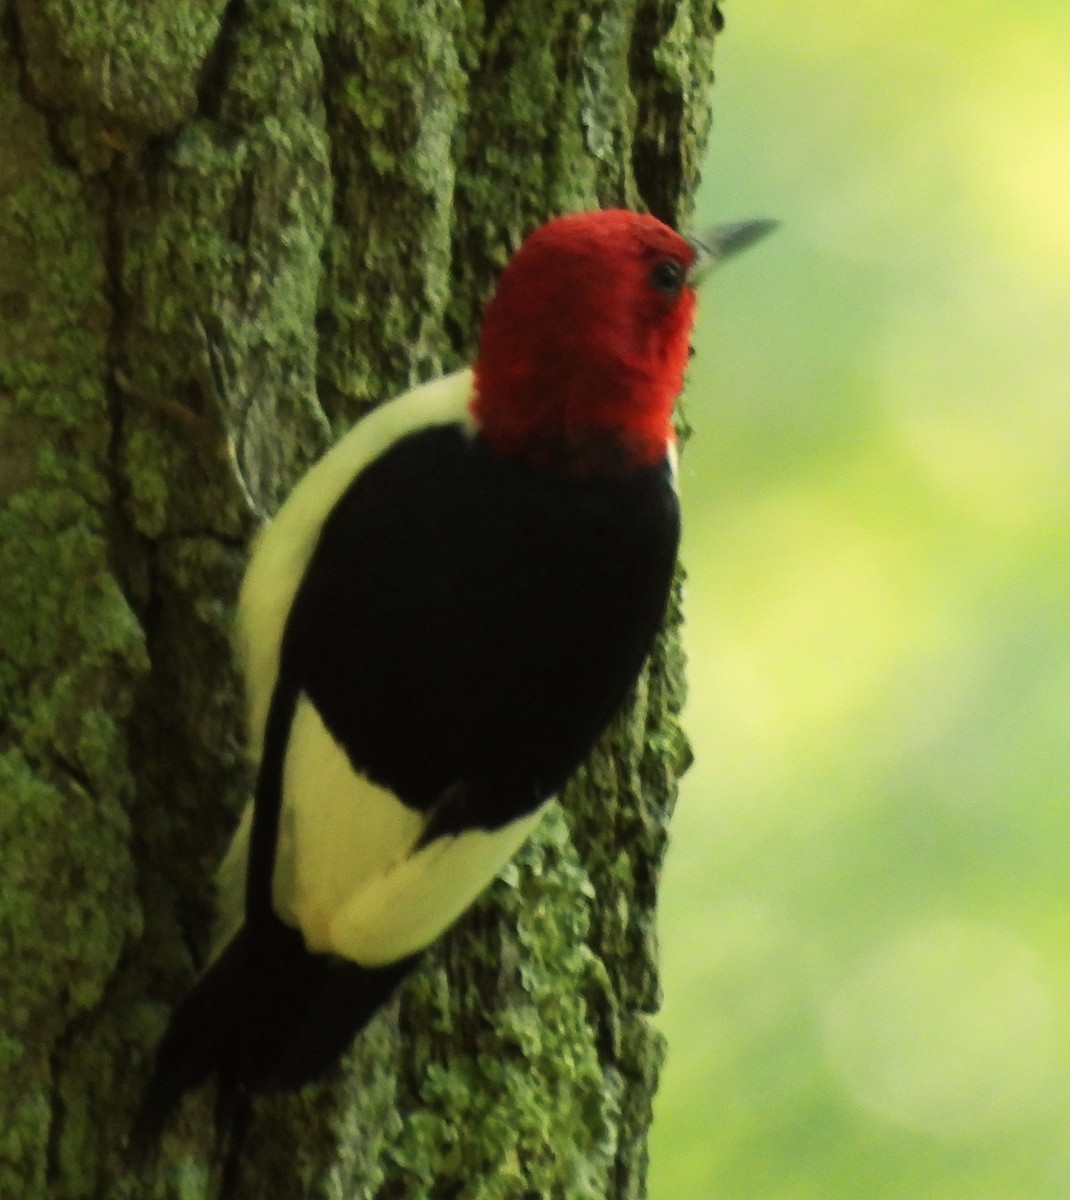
866,906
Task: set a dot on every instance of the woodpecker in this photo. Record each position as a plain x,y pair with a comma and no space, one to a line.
434,629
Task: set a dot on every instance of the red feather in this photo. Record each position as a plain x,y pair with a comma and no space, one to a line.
582,356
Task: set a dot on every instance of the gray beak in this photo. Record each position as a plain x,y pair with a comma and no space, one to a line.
713,246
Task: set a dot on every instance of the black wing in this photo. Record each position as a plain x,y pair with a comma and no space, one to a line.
467,623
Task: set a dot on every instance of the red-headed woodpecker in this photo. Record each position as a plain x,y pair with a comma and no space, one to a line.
436,627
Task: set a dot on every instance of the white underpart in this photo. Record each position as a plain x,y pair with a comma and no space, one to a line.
283,548
345,868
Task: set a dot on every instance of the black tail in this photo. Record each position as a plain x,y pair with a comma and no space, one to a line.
199,1042
272,1020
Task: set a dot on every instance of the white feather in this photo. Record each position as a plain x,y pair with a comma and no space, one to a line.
346,873
339,830
404,908
673,459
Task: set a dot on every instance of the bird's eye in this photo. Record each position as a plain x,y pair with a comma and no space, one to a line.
668,277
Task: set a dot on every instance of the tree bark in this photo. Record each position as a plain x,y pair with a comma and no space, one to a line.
227,228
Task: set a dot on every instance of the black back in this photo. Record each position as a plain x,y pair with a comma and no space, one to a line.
470,625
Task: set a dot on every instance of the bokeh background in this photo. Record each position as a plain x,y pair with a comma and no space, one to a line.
866,906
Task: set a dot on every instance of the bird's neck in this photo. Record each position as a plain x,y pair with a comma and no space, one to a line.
576,422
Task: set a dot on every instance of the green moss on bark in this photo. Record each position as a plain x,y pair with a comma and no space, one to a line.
395,96
71,652
117,71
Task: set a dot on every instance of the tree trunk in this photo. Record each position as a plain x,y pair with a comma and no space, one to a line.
227,227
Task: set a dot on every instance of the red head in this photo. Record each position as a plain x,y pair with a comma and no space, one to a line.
585,342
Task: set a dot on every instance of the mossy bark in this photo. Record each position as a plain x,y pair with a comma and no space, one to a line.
227,227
